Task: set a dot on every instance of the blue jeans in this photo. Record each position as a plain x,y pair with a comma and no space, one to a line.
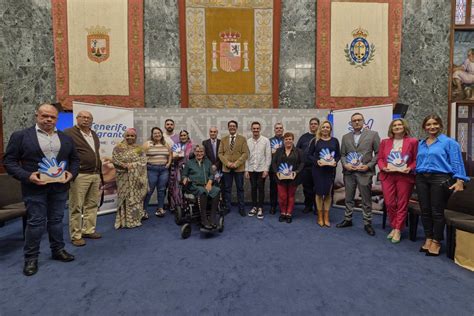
157,178
228,178
44,210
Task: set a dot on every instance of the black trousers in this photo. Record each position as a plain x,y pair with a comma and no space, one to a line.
205,219
257,184
433,197
273,190
308,187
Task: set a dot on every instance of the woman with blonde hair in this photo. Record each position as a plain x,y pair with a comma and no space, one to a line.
324,153
397,161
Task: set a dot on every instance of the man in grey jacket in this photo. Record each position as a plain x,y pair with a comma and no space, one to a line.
359,150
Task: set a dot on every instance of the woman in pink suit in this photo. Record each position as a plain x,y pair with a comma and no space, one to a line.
397,162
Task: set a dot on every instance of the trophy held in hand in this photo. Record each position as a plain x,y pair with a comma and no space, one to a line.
285,172
275,144
354,158
178,151
397,162
51,171
326,158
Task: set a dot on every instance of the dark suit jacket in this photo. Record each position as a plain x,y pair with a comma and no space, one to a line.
210,153
23,154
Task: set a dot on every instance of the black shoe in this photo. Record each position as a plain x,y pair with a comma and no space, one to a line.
423,249
289,219
282,218
273,210
369,229
63,255
344,223
242,212
307,210
30,268
431,254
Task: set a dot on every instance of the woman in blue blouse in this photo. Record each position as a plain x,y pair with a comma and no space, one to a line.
439,172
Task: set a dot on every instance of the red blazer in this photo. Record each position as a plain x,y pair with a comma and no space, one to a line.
410,148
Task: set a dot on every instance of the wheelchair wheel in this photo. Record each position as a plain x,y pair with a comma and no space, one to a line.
178,215
186,231
221,224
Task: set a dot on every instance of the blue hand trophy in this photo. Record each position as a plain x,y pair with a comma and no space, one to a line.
354,159
50,171
326,157
178,150
285,172
275,144
397,162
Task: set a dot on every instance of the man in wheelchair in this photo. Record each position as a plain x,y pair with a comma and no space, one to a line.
198,177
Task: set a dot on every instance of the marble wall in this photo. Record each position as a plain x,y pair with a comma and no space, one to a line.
27,64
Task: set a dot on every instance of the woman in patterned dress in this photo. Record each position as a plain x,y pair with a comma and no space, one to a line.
130,163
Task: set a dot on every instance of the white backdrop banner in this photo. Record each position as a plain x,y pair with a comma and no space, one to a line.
110,124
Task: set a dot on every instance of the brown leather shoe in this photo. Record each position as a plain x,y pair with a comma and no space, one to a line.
78,242
92,236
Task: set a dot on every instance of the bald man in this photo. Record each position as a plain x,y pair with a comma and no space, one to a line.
45,202
84,194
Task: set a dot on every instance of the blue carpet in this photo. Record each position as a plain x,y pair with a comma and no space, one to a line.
255,268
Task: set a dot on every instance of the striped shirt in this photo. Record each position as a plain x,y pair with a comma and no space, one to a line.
157,154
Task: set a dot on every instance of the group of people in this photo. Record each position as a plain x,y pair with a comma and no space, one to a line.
168,160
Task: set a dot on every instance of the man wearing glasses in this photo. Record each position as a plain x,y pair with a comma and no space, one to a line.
359,150
84,193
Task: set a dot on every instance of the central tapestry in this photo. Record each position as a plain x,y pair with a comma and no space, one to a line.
229,53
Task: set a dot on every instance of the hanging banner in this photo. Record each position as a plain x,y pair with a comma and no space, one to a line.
358,52
110,123
98,51
376,118
229,53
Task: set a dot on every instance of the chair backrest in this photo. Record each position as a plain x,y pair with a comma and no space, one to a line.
463,201
10,189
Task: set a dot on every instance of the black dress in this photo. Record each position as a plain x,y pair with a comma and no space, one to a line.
323,177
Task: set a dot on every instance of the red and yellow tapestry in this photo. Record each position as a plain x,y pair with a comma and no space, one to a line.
98,50
358,45
229,53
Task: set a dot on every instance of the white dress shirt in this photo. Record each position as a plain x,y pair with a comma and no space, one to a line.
260,155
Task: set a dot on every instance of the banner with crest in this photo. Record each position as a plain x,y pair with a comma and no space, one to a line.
98,50
229,53
358,52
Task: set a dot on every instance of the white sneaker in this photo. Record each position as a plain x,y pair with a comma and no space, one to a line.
260,213
253,211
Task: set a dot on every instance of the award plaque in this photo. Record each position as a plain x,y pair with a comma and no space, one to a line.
288,176
178,151
285,172
397,162
326,158
275,144
354,159
51,171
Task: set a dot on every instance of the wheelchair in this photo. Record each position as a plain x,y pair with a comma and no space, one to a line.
188,213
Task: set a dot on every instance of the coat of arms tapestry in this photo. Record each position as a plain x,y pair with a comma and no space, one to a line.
358,45
229,53
98,50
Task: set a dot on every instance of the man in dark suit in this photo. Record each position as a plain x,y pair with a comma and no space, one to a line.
211,147
45,202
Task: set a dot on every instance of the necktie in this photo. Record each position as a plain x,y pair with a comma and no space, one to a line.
214,149
232,142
